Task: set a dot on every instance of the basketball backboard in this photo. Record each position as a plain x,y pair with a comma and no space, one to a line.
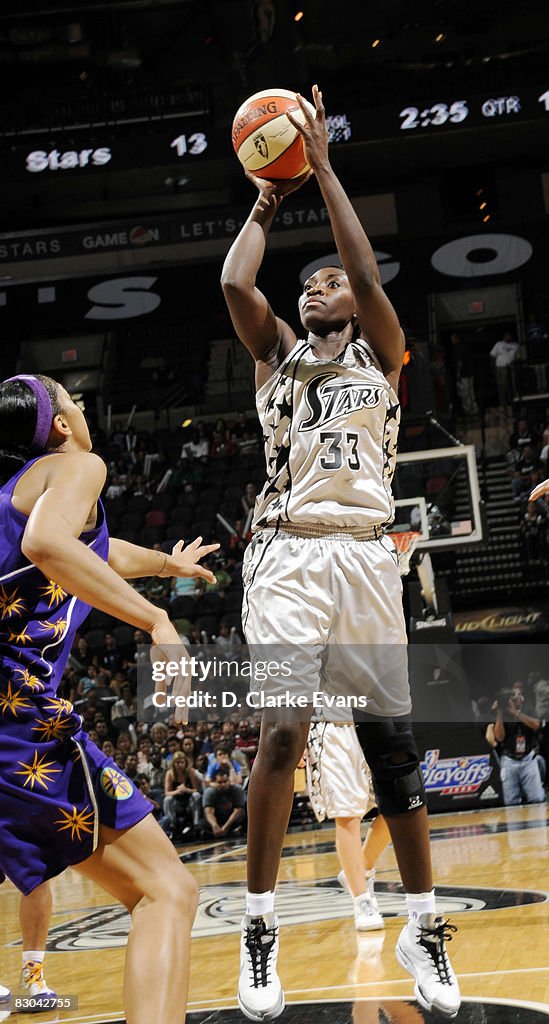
437,493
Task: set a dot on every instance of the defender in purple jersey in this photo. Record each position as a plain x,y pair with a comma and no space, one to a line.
62,802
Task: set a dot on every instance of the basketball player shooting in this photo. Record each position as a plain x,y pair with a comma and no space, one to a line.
319,570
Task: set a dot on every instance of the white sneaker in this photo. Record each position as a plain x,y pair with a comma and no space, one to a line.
260,995
370,877
5,995
421,949
367,917
33,986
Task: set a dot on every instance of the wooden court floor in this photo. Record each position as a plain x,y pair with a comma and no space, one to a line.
492,871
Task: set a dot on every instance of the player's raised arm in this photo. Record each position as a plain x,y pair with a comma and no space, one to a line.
375,313
265,335
131,561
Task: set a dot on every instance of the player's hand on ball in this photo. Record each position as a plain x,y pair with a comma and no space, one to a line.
276,190
314,132
540,491
183,561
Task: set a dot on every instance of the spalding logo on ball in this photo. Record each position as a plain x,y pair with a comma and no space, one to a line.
264,140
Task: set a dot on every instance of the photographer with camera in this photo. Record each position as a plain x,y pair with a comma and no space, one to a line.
513,735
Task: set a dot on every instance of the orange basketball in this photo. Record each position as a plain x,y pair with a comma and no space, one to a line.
264,140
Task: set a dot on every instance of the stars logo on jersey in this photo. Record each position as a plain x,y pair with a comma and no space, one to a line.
115,785
329,397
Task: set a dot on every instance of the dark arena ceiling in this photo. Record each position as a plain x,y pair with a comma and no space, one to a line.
83,75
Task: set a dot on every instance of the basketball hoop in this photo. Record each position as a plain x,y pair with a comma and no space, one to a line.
405,542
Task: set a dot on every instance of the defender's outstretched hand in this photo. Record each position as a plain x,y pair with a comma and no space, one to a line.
183,561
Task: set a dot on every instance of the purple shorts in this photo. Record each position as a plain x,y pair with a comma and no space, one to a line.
53,797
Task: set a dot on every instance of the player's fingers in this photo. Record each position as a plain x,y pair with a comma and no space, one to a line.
319,106
207,549
194,544
304,108
178,547
297,124
159,659
182,685
205,574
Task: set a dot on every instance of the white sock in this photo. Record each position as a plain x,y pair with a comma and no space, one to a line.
260,903
420,903
33,954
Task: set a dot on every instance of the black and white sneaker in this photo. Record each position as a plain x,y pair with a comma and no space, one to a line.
421,949
260,994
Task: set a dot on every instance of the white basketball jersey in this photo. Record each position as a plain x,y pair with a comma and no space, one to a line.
330,429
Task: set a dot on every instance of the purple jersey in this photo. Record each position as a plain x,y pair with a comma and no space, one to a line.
56,787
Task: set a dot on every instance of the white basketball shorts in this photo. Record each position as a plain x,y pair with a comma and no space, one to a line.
338,778
329,609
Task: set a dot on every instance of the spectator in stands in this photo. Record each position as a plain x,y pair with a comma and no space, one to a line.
533,530
87,682
240,535
144,747
523,437
248,498
118,436
126,707
141,657
147,790
513,735
116,489
159,734
504,354
184,586
214,738
247,445
79,658
525,464
223,804
124,743
183,794
238,757
201,767
464,369
246,740
102,728
173,746
131,767
107,746
221,446
197,449
155,771
221,757
109,656
202,733
188,747
228,641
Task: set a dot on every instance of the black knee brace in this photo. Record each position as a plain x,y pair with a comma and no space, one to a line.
398,787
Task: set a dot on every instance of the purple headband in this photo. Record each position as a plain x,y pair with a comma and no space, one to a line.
44,410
